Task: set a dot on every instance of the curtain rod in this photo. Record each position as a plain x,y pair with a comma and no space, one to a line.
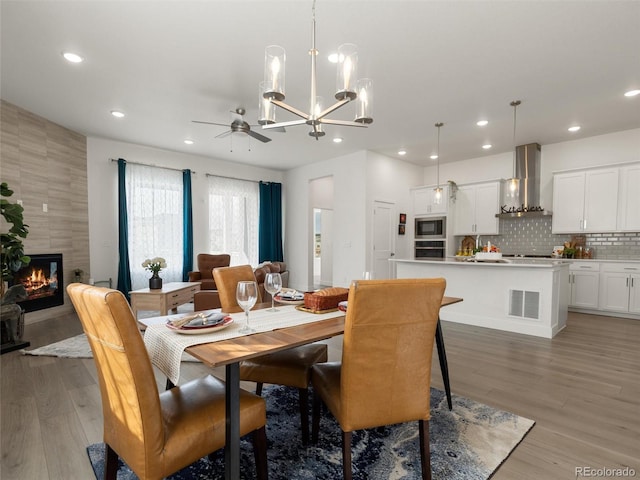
233,178
152,165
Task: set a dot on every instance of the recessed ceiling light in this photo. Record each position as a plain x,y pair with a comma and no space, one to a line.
188,142
337,140
72,57
487,146
575,128
433,157
333,57
117,113
402,152
632,93
482,123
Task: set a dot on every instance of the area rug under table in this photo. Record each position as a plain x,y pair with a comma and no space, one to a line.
468,443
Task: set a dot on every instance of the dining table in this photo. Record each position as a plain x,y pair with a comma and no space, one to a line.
275,331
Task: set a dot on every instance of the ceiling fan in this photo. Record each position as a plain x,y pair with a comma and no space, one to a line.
239,125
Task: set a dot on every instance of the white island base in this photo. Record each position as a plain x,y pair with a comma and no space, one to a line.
522,296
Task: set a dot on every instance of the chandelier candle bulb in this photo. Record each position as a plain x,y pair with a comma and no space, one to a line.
347,71
274,74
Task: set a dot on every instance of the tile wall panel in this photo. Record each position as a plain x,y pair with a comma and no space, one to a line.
46,163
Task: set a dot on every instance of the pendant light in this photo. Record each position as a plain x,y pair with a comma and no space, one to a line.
513,184
437,195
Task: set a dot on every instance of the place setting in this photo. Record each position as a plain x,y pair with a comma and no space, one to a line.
200,323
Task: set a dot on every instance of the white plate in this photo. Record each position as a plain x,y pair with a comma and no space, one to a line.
289,301
200,330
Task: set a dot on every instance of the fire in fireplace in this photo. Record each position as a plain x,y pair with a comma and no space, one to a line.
43,281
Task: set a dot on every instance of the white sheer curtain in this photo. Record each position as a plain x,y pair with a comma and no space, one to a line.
233,219
155,218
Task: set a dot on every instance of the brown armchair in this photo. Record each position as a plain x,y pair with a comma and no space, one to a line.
384,377
156,434
291,367
206,263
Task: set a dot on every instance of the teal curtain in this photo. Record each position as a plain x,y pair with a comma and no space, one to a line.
124,270
270,222
187,232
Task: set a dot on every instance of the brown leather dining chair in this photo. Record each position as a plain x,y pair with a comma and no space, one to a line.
291,367
384,377
156,434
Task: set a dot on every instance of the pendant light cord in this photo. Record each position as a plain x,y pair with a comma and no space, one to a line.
438,125
514,104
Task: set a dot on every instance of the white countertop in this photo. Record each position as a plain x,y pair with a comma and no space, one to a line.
504,263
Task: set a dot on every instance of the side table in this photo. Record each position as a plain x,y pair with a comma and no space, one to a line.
169,297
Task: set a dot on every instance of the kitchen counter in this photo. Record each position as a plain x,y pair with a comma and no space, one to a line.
522,295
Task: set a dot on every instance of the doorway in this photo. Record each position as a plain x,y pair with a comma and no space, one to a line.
322,247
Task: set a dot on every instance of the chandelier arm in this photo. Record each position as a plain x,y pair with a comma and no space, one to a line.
291,109
346,123
332,108
284,124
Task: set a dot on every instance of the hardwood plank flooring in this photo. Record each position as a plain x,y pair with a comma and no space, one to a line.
582,388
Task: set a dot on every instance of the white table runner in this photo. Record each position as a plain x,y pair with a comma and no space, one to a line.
166,346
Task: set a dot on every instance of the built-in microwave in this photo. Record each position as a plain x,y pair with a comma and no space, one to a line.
431,227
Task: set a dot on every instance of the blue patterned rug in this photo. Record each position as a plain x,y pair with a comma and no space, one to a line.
468,443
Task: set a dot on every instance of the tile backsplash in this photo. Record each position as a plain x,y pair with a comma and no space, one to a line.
532,236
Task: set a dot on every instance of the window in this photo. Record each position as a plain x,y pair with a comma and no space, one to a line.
233,219
155,219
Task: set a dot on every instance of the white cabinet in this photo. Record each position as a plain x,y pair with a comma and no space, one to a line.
629,199
585,201
475,209
583,284
424,201
620,287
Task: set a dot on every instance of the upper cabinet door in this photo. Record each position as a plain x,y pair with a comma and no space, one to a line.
487,205
568,202
420,201
629,200
585,201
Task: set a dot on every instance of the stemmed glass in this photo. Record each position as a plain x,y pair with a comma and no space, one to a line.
246,296
273,285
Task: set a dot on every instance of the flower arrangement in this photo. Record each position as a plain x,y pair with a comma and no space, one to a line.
154,265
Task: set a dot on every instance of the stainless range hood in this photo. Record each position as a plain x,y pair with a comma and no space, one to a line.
527,169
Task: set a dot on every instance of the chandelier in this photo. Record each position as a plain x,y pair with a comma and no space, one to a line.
348,89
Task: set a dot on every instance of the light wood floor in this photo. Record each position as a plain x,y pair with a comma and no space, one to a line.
582,389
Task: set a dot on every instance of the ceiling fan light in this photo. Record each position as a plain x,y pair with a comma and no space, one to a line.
274,64
364,101
266,109
347,71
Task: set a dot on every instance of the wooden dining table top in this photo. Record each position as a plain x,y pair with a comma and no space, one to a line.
236,349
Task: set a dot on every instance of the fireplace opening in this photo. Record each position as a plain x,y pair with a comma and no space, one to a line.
43,281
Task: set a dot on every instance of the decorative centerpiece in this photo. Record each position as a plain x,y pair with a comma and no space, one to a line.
154,265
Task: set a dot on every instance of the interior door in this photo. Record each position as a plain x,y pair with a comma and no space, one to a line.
383,239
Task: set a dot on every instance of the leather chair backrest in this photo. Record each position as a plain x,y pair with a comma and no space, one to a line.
207,262
130,401
387,348
227,279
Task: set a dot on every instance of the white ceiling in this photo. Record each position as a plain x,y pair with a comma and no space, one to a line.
167,63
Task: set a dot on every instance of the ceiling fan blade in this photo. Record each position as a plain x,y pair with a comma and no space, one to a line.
257,136
224,134
211,123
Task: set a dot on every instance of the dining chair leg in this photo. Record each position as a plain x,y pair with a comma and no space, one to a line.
315,418
260,453
425,454
346,455
303,396
110,463
259,389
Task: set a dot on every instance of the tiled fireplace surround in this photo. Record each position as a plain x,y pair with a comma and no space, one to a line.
532,236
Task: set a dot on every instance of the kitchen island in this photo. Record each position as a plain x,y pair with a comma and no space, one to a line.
528,296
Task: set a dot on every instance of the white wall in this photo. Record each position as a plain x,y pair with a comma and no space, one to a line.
102,176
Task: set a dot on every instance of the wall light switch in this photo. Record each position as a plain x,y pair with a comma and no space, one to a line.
45,207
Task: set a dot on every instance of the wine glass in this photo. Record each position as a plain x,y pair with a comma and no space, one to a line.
246,296
273,285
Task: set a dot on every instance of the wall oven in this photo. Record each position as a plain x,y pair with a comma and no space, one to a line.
426,249
431,227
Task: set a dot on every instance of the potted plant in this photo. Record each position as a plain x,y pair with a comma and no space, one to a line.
154,265
11,247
